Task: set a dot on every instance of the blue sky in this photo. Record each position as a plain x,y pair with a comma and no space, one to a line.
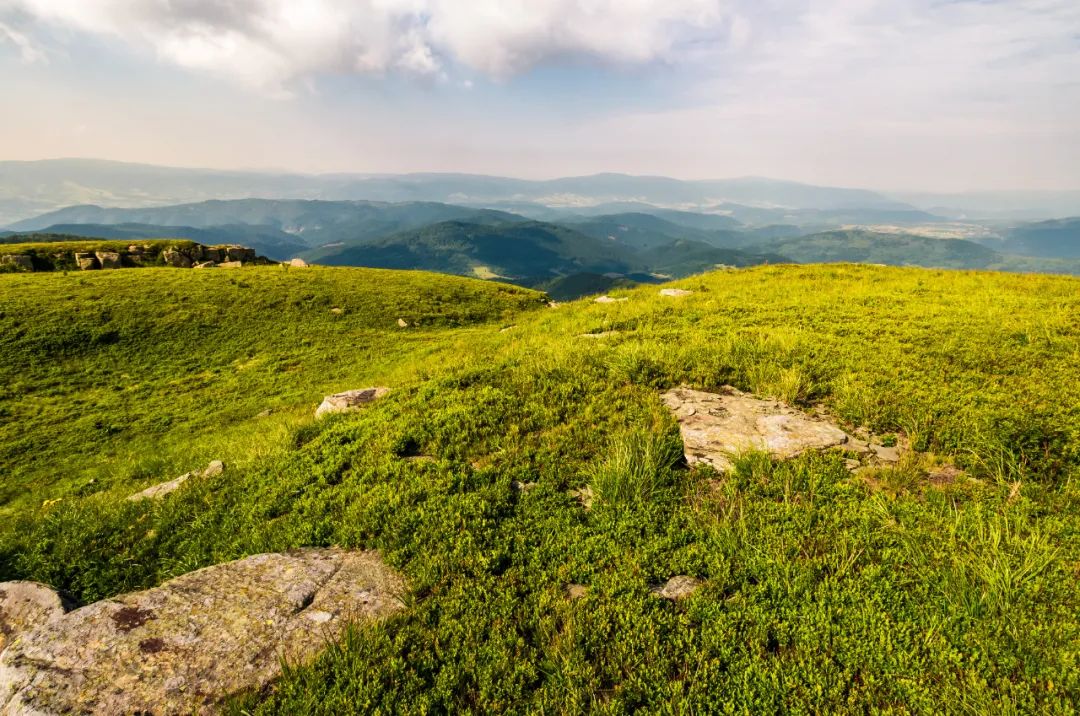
919,94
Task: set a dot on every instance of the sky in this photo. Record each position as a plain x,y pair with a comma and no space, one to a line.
918,95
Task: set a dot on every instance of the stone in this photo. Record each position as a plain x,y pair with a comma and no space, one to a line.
576,591
86,261
678,587
188,645
205,265
154,492
402,323
21,262
212,254
717,426
674,292
230,264
349,400
176,258
519,486
601,334
507,328
584,495
886,454
607,299
24,606
944,475
337,311
108,259
852,465
298,263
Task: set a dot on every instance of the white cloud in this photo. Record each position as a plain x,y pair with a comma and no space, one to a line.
29,52
270,43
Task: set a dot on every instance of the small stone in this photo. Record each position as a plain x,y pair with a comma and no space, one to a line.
349,400
231,264
523,486
576,591
205,265
945,475
584,495
886,454
507,328
678,587
852,465
674,292
402,323
602,334
216,467
607,299
337,311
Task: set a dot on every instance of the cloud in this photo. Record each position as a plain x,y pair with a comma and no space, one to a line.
29,52
271,43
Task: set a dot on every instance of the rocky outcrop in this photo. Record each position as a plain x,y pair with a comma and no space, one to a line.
108,259
184,647
86,261
216,467
21,262
176,258
349,400
25,605
715,427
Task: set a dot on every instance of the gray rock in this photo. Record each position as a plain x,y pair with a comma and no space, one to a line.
230,264
349,400
717,426
298,263
25,605
20,261
216,467
402,323
189,644
678,587
108,259
86,261
240,253
576,591
205,265
674,292
607,299
176,258
213,254
602,334
886,454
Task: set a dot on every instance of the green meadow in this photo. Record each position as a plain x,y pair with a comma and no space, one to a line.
824,592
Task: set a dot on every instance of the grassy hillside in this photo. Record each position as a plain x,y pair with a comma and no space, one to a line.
824,592
1055,239
909,250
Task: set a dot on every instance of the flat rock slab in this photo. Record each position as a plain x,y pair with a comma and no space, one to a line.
25,605
608,299
674,292
678,588
715,427
349,400
187,645
155,492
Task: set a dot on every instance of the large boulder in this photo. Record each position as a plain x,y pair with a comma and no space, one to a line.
717,426
108,259
240,253
297,263
86,261
349,400
25,605
213,253
176,258
21,262
184,647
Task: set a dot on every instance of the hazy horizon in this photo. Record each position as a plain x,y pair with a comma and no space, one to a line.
963,96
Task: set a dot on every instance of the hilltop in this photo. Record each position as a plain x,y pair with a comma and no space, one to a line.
525,476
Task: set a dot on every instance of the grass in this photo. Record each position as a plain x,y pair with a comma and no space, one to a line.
823,592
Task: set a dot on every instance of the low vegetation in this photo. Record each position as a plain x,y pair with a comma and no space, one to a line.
824,592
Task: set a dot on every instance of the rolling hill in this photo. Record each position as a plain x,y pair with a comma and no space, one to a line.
1053,239
529,484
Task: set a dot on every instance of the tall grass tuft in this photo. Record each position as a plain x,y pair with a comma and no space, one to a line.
639,466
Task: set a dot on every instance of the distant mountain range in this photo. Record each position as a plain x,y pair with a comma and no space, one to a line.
28,189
